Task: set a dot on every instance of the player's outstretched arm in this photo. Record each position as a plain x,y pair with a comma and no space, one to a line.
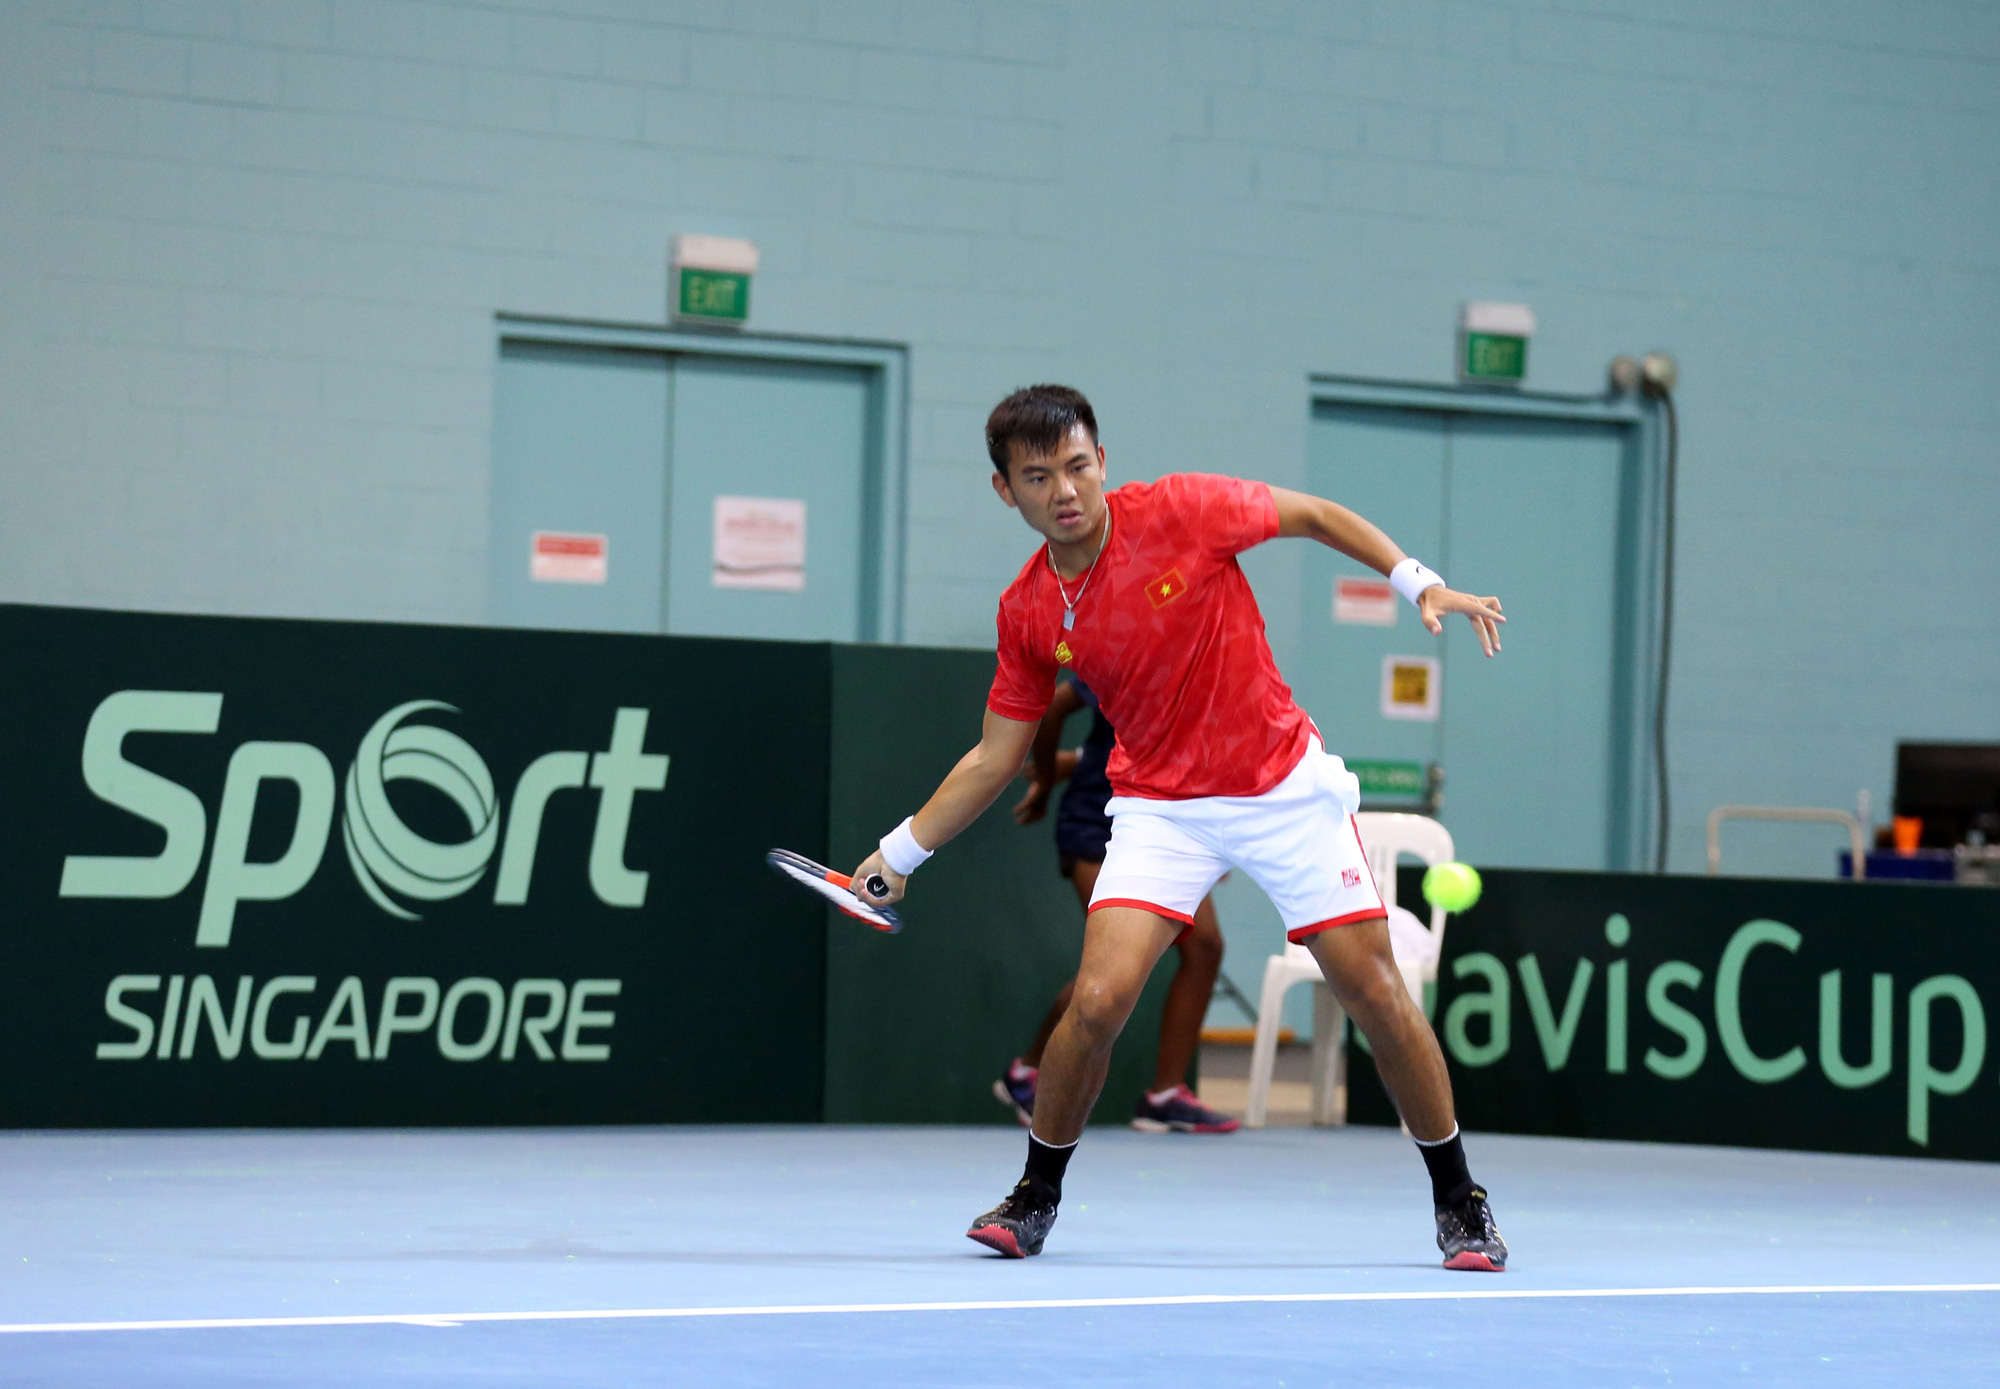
975,783
1333,525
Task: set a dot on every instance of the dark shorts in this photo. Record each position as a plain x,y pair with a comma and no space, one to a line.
1083,829
1066,862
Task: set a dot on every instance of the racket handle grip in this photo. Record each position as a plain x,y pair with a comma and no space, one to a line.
877,885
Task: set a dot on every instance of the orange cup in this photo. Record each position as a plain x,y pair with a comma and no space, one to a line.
1909,831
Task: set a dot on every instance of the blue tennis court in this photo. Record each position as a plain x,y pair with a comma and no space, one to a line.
484,483
834,1256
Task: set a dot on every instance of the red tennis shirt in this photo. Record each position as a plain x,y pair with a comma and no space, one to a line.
1169,636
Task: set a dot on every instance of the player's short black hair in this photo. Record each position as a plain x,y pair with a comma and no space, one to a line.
1039,416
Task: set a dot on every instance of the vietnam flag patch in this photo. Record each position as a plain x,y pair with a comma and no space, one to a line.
1166,588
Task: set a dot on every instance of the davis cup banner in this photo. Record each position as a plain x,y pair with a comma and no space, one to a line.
336,873
1848,1017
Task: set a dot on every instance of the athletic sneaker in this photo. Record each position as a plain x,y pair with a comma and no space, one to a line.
1018,1225
1468,1236
1178,1111
1016,1089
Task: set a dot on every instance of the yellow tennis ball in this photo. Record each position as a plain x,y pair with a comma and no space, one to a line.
1453,886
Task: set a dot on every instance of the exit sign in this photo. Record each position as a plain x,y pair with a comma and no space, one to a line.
721,295
1493,343
711,279
1494,357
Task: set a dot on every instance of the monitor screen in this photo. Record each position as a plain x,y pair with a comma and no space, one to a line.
1954,787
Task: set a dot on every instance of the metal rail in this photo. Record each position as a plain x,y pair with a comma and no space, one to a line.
1784,812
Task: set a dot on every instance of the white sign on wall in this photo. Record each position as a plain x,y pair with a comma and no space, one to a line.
760,542
1364,602
563,557
1412,688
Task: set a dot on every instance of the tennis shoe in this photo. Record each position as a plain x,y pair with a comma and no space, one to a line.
1018,1225
1180,1112
1469,1238
1016,1089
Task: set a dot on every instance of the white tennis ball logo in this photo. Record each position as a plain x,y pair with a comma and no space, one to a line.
387,855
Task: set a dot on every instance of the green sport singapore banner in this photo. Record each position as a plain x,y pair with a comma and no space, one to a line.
281,872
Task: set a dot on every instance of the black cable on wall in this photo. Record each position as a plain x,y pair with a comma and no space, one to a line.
1664,394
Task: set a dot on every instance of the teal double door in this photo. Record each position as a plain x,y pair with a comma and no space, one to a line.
1532,747
630,449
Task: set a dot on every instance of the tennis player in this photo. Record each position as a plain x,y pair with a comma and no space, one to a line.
1083,832
1138,591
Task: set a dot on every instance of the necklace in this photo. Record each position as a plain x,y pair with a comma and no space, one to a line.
1069,604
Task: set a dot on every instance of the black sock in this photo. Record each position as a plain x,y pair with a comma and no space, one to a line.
1451,1181
1046,1165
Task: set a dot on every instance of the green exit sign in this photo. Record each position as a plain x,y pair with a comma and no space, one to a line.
1495,357
1389,778
1493,343
721,296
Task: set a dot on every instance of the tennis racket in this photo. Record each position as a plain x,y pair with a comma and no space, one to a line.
837,889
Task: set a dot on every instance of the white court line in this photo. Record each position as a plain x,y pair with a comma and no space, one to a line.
445,1319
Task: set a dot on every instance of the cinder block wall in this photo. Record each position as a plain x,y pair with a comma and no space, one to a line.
250,256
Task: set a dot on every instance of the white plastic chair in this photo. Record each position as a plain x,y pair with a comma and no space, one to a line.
1384,836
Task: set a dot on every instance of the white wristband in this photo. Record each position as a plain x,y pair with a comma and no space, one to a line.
1411,578
901,851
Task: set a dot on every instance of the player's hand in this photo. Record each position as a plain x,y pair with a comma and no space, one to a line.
1437,602
1033,805
871,867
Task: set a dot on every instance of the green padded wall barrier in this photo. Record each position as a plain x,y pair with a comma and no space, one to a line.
277,872
919,1025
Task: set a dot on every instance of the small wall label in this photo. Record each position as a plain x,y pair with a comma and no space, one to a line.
1364,602
562,557
760,542
1412,688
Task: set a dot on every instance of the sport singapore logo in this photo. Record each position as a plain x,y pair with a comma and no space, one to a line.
386,854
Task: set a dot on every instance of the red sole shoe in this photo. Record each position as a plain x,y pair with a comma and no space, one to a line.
997,1238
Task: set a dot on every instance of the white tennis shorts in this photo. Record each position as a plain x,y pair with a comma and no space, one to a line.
1298,841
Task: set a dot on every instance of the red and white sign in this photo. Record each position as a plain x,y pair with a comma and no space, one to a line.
1364,602
561,557
760,542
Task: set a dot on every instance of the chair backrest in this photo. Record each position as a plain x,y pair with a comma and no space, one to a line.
1386,834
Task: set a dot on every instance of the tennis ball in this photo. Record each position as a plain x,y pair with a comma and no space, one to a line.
1453,886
